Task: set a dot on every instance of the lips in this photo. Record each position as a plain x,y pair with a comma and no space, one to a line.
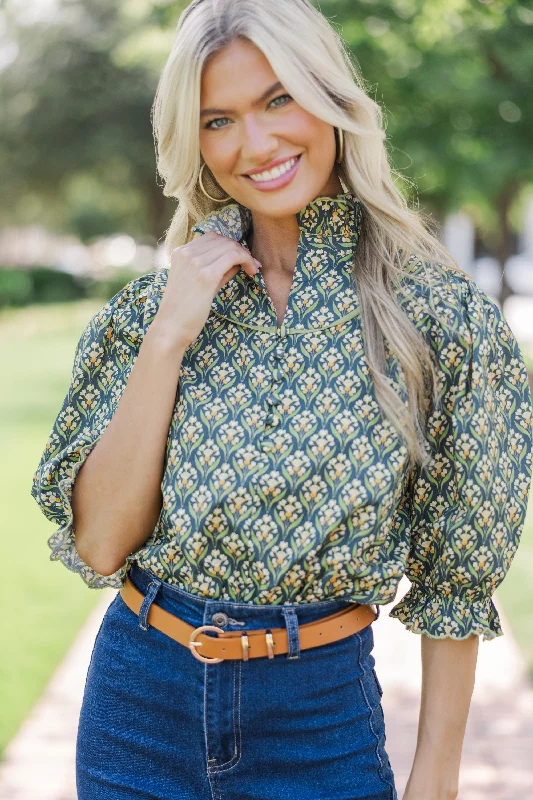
279,162
286,170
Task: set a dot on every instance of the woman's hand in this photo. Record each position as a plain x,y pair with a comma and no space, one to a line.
198,270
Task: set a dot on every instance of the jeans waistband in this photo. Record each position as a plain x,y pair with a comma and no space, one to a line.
197,610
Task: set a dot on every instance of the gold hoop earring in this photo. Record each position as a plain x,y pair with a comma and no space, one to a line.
340,137
202,187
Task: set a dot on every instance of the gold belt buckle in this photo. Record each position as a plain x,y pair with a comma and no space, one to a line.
193,644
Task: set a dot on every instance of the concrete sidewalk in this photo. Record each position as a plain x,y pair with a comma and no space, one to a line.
497,761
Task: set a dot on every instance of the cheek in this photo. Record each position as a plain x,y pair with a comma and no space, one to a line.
324,141
218,153
314,134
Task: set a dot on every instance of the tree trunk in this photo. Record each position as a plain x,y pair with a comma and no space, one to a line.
504,248
159,210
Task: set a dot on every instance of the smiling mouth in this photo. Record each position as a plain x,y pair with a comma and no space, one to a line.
275,172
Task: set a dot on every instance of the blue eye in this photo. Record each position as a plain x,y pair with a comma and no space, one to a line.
211,126
280,97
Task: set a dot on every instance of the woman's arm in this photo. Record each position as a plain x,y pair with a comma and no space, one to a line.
448,674
116,498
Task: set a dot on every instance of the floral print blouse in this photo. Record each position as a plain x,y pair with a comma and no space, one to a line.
284,481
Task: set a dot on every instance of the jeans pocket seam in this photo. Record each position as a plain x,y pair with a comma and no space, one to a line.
371,711
378,683
236,719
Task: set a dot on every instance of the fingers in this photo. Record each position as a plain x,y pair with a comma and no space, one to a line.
226,277
217,269
209,248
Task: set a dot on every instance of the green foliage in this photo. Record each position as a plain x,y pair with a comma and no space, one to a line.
22,287
454,80
16,287
52,286
452,76
107,287
19,287
75,114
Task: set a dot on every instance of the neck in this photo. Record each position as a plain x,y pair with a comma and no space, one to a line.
274,240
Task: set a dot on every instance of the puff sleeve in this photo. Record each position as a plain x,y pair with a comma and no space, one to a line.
467,505
104,356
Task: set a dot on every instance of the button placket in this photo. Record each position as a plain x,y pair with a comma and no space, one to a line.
272,399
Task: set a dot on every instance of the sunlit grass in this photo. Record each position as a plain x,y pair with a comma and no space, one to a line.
44,603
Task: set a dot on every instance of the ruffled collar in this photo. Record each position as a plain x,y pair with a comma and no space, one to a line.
322,292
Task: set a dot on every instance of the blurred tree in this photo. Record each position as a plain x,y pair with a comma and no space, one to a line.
76,146
454,79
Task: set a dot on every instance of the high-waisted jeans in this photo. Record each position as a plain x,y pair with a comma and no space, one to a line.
157,723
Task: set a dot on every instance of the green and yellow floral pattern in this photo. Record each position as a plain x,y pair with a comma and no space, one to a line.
284,481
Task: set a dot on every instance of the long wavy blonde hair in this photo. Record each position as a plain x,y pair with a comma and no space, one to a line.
311,60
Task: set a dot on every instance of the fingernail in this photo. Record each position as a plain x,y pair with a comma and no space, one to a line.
258,263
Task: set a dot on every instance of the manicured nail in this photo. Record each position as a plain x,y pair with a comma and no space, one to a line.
258,263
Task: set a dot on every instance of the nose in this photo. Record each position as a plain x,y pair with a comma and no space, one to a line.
259,144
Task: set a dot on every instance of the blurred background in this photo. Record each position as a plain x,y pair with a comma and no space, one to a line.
82,212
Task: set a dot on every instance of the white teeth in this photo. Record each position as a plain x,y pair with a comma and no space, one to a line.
273,173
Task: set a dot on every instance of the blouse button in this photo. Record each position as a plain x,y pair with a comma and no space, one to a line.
272,400
271,419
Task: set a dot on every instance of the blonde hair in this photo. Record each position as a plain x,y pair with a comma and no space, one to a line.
312,62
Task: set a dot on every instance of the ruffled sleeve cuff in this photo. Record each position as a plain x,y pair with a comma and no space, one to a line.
447,617
62,543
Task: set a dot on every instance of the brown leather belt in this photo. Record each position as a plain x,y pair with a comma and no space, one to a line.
250,643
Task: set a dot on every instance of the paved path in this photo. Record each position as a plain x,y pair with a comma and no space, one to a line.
39,762
497,761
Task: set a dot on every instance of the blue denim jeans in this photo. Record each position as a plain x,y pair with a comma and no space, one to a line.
156,723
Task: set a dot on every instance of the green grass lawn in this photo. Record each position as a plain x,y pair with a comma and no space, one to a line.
46,603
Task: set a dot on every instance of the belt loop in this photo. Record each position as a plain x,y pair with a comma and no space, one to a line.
153,588
293,632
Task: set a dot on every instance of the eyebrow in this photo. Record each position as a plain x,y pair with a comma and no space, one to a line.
257,102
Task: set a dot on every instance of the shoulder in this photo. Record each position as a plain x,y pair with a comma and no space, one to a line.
447,305
137,291
468,333
124,317
134,296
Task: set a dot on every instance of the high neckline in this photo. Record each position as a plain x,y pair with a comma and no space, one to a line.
322,290
334,216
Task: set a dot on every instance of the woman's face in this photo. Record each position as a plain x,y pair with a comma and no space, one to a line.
245,130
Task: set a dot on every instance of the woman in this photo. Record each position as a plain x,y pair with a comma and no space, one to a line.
314,400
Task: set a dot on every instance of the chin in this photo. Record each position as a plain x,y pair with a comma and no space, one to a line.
282,204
